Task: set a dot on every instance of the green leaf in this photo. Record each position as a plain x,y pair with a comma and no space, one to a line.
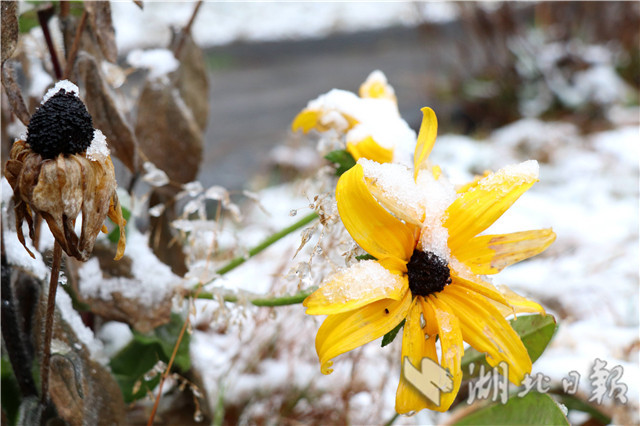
535,331
390,336
532,409
10,391
343,159
365,257
143,352
114,235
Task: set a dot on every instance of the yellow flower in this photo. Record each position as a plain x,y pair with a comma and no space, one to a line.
371,123
429,268
62,170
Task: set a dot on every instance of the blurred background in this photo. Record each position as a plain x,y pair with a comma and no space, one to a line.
480,66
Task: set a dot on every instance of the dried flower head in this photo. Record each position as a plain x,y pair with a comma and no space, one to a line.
64,169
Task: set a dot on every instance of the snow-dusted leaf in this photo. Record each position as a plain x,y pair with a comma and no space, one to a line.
191,78
153,175
102,26
193,188
167,132
105,113
217,193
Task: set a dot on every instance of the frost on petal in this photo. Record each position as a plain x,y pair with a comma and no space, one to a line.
393,186
436,196
153,175
525,172
361,281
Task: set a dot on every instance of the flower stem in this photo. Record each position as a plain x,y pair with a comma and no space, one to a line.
292,299
266,243
48,325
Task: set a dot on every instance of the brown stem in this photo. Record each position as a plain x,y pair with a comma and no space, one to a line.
71,58
186,30
44,15
167,371
48,325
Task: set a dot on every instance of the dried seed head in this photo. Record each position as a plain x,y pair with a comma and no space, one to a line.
62,125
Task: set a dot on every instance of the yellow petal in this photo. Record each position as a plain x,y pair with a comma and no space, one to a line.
376,230
368,148
359,285
400,195
341,333
309,119
516,304
450,335
115,214
486,330
377,87
479,286
426,139
464,188
414,347
489,254
475,210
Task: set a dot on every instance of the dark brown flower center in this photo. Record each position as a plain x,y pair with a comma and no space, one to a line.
428,273
62,125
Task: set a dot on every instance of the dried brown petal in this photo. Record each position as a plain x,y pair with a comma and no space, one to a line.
59,189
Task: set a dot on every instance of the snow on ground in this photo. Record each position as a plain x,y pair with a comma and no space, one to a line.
226,22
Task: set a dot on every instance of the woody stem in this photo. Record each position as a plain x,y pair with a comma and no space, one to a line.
48,325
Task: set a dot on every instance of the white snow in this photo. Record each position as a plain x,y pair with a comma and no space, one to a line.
66,85
361,280
84,333
225,22
98,149
152,280
159,62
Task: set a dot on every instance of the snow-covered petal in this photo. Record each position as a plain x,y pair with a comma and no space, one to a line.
393,186
359,285
377,231
475,210
368,148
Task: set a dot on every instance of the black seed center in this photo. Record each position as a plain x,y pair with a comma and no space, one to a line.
61,126
427,272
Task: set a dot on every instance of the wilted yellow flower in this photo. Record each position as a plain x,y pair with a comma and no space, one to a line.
370,123
64,169
428,269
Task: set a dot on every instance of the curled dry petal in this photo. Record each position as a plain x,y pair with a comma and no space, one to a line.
61,188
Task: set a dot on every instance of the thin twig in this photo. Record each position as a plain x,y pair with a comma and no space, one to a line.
48,325
44,15
266,243
186,30
71,58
